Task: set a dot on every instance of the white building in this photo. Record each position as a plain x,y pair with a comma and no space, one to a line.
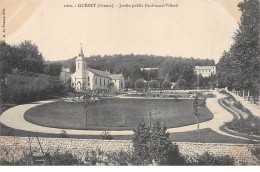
205,71
118,82
88,78
149,68
65,75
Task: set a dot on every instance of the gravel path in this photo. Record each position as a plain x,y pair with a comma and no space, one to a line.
14,118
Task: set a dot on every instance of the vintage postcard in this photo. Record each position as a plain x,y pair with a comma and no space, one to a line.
129,82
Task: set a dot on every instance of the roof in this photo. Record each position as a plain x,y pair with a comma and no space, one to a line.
149,68
205,67
115,76
99,73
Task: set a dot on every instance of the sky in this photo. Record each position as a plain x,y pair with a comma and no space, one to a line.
196,28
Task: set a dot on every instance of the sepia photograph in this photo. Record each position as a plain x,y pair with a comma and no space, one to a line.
129,83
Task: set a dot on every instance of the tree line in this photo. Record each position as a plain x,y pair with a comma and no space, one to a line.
239,67
25,56
172,69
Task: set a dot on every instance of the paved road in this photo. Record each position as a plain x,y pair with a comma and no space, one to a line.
14,118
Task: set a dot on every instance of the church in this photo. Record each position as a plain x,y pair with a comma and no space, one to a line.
86,78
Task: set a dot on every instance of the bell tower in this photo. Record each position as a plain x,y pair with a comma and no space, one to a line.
80,63
80,77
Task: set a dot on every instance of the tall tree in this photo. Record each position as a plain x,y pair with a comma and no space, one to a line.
30,58
242,67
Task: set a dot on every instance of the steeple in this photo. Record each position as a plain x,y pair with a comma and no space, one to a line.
81,51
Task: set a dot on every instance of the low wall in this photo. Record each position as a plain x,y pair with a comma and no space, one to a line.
13,148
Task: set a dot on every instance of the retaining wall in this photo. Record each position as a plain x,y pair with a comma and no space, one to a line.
13,148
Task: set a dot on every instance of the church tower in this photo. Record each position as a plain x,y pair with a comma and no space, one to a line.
80,79
80,64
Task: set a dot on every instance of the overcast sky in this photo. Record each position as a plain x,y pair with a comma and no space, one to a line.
197,28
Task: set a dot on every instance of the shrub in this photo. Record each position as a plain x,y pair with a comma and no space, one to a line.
152,145
166,85
225,103
140,84
63,134
230,97
141,144
106,136
209,159
256,152
94,157
154,84
121,158
250,125
163,152
210,95
65,159
238,105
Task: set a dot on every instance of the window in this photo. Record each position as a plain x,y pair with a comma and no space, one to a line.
95,81
88,78
104,82
100,81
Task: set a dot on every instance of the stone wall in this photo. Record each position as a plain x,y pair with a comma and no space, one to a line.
13,148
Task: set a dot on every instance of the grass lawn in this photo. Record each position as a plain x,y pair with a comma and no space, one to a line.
115,114
207,136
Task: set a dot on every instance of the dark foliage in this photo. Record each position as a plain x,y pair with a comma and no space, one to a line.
239,68
9,95
209,159
65,159
106,136
250,125
152,145
63,134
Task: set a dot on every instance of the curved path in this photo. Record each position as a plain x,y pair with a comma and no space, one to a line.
14,118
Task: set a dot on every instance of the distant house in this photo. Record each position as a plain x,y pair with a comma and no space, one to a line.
65,75
118,82
88,78
149,68
205,71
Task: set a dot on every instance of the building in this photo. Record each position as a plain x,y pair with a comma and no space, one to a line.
118,82
87,78
65,75
205,71
149,68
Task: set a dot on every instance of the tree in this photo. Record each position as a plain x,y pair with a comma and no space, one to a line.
163,152
181,83
240,67
152,145
52,69
153,84
196,107
127,84
140,84
141,143
31,59
166,84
